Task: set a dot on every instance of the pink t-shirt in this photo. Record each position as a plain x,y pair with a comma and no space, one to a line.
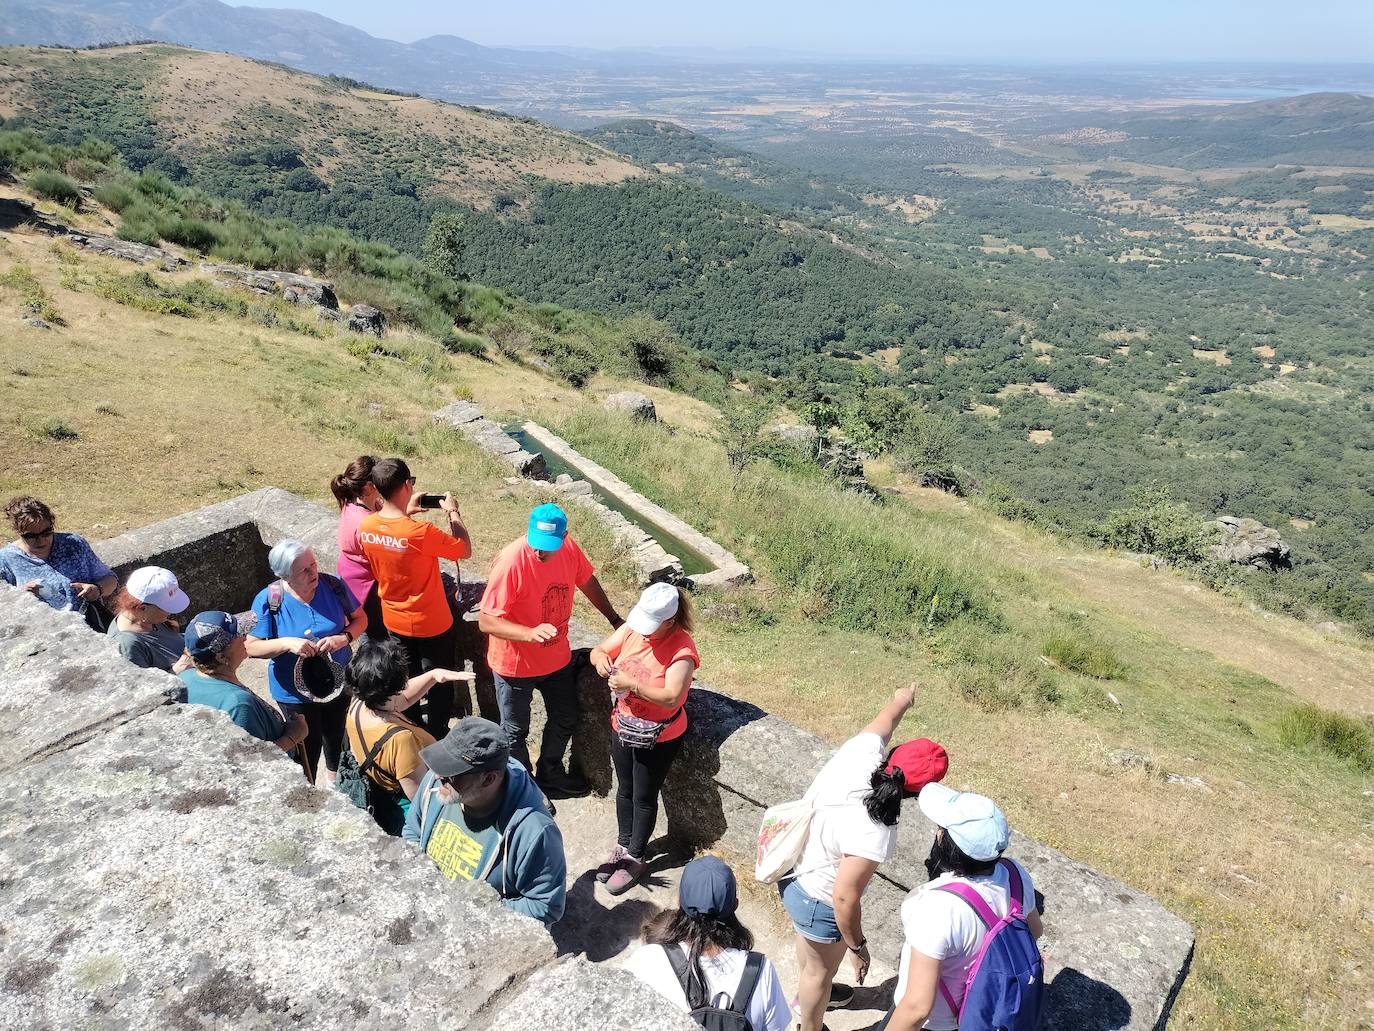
524,590
353,567
648,662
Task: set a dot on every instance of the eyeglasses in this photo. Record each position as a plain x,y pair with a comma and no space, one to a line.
38,536
410,480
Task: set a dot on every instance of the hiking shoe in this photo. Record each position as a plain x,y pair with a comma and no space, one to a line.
559,784
626,875
841,995
611,865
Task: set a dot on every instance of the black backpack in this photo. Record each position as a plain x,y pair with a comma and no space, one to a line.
705,1012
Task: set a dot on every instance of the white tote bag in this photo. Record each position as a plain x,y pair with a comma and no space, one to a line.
782,838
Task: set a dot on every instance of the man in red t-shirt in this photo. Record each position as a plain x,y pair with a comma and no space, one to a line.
524,613
404,555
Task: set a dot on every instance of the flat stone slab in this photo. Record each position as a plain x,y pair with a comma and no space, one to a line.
60,683
174,873
467,419
139,253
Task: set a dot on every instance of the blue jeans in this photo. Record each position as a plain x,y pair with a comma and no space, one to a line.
813,919
514,695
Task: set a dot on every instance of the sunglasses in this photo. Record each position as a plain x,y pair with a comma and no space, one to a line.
39,535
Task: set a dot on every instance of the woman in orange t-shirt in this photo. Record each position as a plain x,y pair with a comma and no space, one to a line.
649,664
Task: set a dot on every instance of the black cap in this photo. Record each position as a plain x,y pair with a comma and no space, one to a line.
474,744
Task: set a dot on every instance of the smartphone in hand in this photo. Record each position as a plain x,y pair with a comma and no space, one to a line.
430,500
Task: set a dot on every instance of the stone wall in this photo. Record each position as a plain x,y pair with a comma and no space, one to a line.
164,870
729,570
467,419
219,553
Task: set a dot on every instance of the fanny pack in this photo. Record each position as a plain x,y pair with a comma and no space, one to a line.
637,732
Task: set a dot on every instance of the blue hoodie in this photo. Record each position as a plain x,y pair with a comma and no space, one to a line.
525,864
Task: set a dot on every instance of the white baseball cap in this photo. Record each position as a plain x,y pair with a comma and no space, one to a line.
154,585
657,604
975,823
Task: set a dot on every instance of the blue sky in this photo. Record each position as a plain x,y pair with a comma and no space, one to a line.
1033,31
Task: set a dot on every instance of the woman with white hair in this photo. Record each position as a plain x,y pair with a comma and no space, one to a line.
306,624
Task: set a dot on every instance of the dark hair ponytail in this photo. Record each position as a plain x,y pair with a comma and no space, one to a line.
673,927
348,485
947,857
884,799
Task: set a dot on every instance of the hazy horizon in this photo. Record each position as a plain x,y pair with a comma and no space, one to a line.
997,31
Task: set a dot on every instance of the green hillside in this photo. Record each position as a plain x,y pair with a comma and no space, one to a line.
1074,337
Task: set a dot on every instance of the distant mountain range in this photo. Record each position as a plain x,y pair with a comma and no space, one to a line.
436,65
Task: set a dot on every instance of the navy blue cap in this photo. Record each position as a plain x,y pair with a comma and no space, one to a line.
707,888
209,633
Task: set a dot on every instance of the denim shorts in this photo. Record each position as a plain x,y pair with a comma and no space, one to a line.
813,919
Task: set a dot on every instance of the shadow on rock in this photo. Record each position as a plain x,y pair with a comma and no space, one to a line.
1074,1000
592,928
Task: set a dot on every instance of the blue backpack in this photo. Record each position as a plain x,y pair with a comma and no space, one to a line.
1005,990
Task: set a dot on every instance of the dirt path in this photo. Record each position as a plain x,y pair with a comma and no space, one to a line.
605,929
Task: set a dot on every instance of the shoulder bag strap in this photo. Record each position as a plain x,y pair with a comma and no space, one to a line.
753,969
336,585
679,964
372,752
984,913
1016,887
274,591
979,905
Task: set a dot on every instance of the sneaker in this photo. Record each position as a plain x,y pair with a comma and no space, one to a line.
841,995
611,865
626,876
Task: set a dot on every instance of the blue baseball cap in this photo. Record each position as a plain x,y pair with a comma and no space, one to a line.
209,633
707,888
975,823
548,527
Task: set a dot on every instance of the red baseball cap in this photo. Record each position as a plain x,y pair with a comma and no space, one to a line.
921,761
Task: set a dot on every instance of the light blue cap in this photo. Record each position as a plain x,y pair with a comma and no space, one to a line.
975,823
548,527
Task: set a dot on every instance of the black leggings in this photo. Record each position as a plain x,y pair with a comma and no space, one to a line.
325,721
639,777
434,711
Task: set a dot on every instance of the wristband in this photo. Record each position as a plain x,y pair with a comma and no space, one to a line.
349,634
858,948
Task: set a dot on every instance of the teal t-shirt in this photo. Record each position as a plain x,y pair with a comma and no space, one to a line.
245,708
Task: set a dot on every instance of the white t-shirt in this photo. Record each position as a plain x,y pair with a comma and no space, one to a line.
768,1007
841,825
941,925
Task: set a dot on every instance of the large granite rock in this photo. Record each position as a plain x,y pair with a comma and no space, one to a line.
303,290
1248,542
633,404
363,318
59,683
219,553
139,253
164,870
